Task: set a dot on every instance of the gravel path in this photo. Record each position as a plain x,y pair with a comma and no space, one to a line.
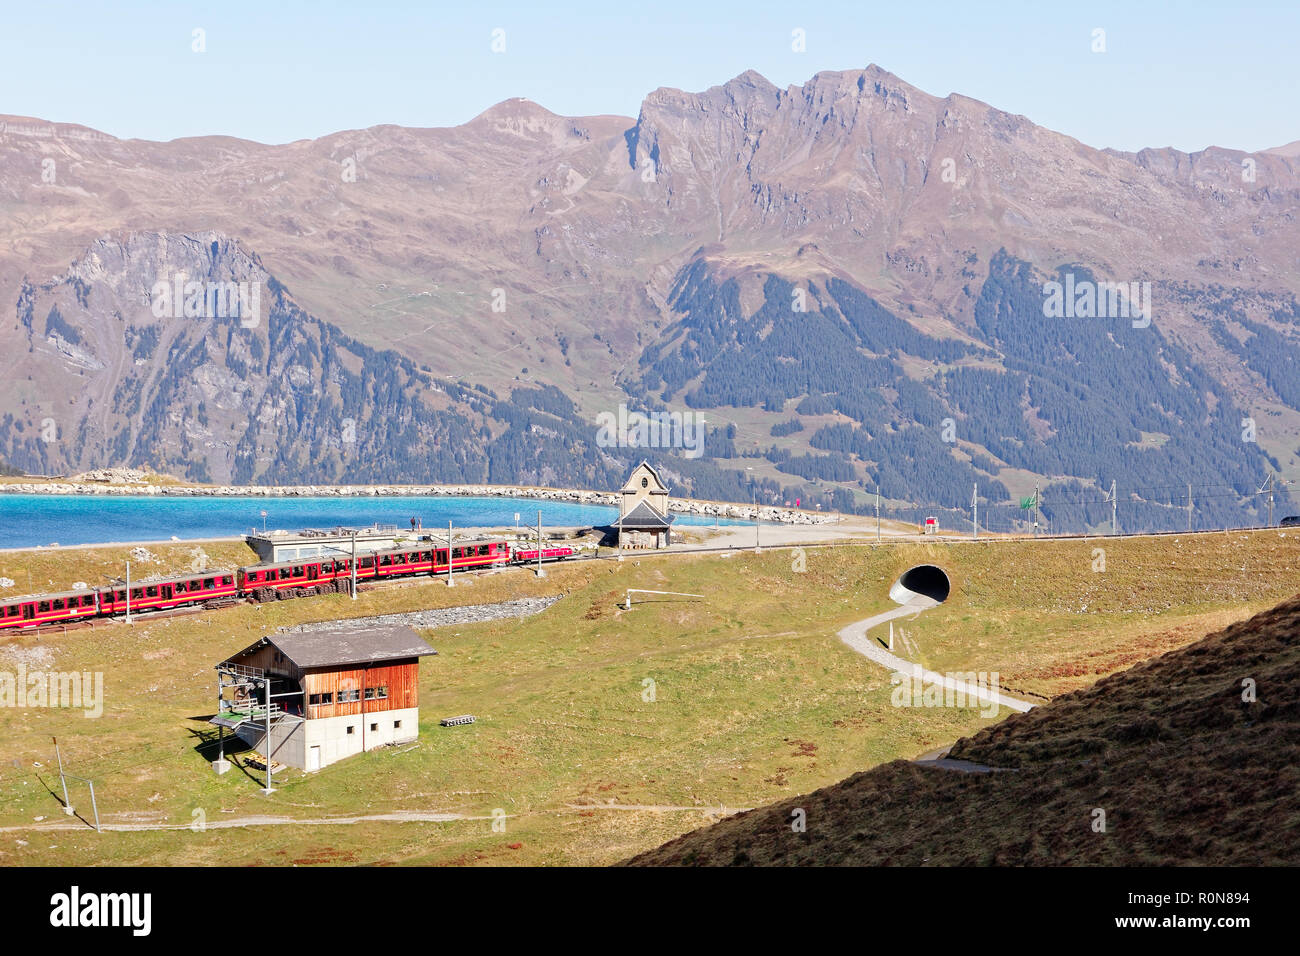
855,635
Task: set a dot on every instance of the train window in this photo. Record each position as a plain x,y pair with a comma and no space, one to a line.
299,571
88,600
367,562
227,579
385,561
442,557
152,590
284,574
120,596
207,582
426,556
42,607
11,610
482,550
58,604
137,594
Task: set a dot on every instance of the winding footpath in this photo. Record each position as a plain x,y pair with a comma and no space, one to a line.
855,636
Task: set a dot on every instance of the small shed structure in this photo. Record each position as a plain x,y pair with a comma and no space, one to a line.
323,695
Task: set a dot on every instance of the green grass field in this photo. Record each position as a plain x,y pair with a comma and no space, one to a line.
588,712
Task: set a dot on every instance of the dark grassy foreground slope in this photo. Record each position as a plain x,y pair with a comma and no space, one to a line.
1185,770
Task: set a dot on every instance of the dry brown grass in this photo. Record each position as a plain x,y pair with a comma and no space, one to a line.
1185,770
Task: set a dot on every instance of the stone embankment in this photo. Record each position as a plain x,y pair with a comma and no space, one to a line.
88,485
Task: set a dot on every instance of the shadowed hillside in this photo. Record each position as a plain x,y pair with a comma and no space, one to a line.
1185,770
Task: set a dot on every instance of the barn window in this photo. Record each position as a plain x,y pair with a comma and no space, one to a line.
377,693
374,728
349,695
351,728
317,700
397,725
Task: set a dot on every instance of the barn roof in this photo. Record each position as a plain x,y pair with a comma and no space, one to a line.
351,645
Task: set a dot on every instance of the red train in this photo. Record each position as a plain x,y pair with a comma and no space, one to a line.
264,582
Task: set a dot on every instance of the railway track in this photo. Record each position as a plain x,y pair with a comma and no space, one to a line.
949,539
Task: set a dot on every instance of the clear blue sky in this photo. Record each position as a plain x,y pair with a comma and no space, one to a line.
1187,74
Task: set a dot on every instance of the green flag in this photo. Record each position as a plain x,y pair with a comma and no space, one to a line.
1027,503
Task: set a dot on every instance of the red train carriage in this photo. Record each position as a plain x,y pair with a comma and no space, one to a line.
48,609
321,573
548,554
169,592
104,602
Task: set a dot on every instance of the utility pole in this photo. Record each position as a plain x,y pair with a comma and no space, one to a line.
67,807
128,592
1271,482
877,514
267,684
354,564
1189,506
540,572
1037,513
1114,509
975,511
450,582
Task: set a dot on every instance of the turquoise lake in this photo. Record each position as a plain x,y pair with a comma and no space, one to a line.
30,520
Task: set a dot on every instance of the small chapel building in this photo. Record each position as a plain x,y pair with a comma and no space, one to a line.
643,518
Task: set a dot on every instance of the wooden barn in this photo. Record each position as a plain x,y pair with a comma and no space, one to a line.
322,695
643,518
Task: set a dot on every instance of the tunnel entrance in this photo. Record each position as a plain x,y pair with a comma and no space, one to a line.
924,580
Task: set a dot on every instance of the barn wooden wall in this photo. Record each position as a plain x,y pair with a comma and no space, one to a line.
402,679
